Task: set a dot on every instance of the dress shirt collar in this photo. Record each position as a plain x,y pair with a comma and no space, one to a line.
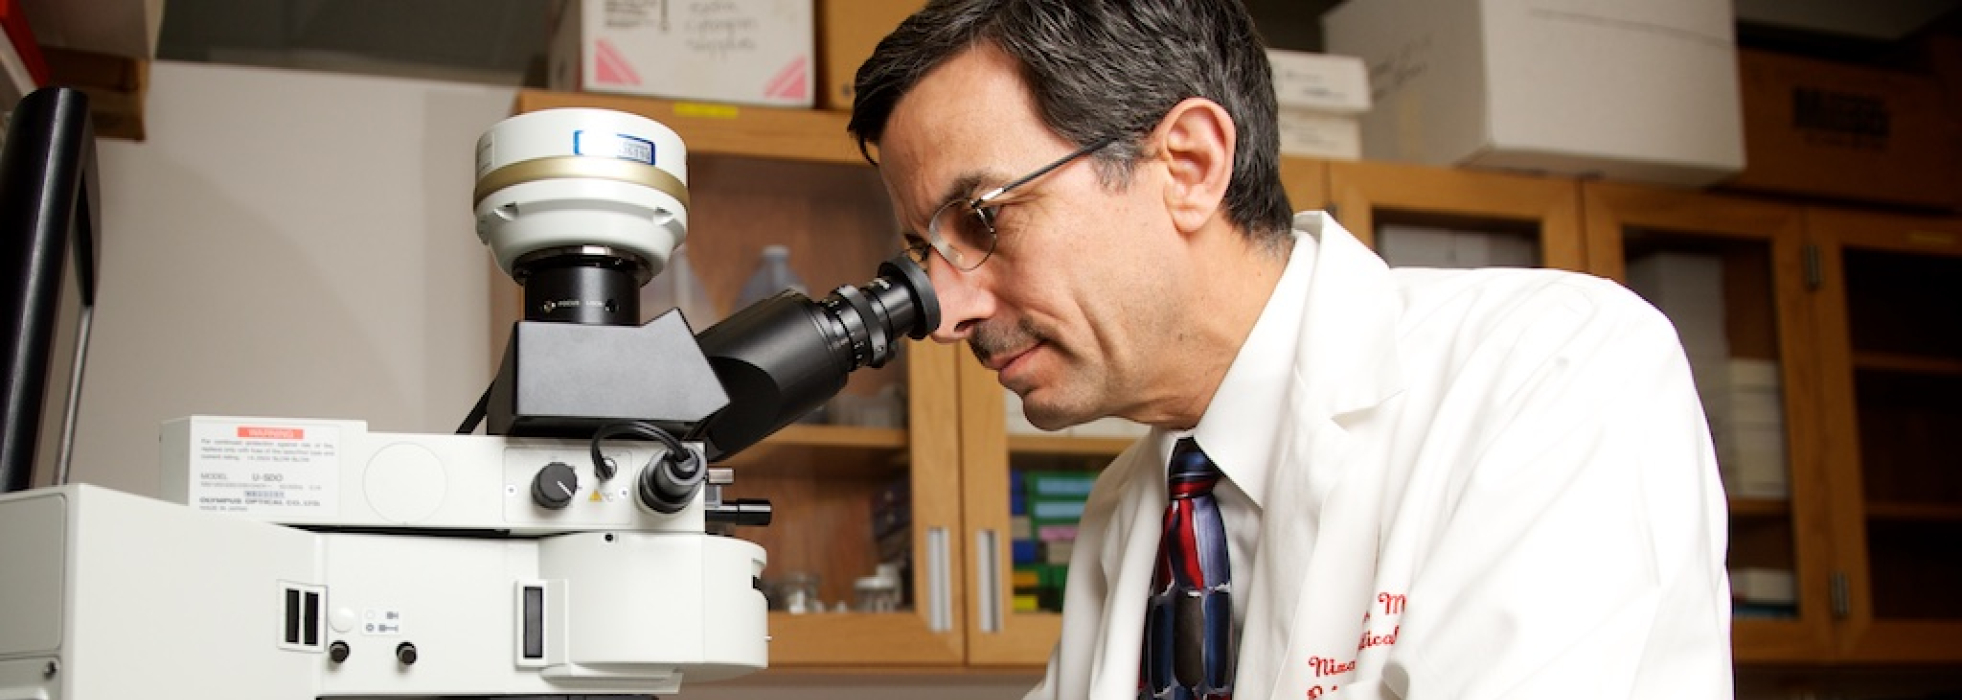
1239,427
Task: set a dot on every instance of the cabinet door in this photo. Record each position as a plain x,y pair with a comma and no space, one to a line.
1729,274
871,479
1021,486
1433,217
1890,322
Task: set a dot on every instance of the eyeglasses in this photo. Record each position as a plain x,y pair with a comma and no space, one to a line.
963,230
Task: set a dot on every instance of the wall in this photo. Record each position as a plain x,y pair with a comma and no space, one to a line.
287,244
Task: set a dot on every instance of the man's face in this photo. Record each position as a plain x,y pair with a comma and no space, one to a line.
1073,308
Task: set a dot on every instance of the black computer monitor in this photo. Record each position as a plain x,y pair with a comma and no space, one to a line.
49,220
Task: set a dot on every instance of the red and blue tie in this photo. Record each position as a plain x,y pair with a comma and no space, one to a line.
1188,652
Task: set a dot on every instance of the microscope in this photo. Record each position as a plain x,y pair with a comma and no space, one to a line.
577,548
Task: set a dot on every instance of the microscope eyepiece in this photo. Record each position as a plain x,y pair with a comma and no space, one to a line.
783,357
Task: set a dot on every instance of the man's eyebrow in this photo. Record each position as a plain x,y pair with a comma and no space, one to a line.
962,187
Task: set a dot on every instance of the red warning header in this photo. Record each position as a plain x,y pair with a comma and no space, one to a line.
253,432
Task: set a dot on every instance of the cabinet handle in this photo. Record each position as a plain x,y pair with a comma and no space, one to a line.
940,612
987,574
1842,595
1815,268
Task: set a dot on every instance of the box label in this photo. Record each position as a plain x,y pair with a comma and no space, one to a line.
273,469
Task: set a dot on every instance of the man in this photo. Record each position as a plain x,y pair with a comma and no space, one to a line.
1436,484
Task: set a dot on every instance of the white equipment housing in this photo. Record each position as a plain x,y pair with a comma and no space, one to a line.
425,569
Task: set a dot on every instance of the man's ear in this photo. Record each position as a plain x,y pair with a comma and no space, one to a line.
1197,139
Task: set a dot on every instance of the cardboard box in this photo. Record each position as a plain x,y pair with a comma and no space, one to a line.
754,52
1641,91
1319,82
1312,134
848,30
1819,128
1424,246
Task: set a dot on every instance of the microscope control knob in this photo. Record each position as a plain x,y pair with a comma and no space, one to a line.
554,486
338,651
405,654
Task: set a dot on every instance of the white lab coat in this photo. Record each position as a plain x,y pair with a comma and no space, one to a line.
1499,485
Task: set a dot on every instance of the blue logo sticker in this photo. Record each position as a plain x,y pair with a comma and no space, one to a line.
622,146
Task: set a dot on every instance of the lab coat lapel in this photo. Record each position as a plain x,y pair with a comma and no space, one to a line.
1345,365
1128,555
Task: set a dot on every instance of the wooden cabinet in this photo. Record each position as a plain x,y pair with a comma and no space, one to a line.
1493,218
1836,358
1730,273
1890,318
1860,315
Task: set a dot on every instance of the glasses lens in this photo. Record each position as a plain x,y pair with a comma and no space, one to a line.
964,235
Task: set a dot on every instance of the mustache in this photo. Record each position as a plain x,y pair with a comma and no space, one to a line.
990,340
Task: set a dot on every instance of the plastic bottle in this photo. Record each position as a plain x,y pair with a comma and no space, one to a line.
772,275
677,287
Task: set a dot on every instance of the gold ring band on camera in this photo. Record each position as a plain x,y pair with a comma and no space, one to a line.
580,166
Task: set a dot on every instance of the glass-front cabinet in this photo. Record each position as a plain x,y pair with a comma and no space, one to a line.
864,554
1890,316
1730,275
1436,217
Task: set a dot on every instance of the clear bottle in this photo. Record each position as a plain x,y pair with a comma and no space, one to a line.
678,287
773,274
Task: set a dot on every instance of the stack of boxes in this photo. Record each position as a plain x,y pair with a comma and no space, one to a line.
1742,397
1321,98
1045,508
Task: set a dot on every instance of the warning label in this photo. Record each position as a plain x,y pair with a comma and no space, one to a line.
276,470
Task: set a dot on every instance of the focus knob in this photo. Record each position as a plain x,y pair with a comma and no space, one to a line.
554,486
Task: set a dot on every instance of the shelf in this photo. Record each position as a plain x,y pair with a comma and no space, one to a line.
1914,512
1906,363
1067,445
861,639
850,448
839,436
757,132
1760,508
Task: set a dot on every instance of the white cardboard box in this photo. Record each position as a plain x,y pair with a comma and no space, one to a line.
1642,91
1314,134
1424,246
750,52
1320,82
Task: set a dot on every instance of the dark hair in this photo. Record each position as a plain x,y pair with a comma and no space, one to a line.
1103,68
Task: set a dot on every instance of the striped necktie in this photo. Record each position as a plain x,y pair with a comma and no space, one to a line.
1188,652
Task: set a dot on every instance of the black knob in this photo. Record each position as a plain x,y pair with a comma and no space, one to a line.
405,653
554,486
338,651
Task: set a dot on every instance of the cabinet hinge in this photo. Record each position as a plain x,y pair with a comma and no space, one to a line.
1815,268
1842,595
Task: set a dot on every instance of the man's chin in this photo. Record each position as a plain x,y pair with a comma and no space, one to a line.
1045,415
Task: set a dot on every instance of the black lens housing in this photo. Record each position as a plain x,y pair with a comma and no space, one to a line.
785,356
